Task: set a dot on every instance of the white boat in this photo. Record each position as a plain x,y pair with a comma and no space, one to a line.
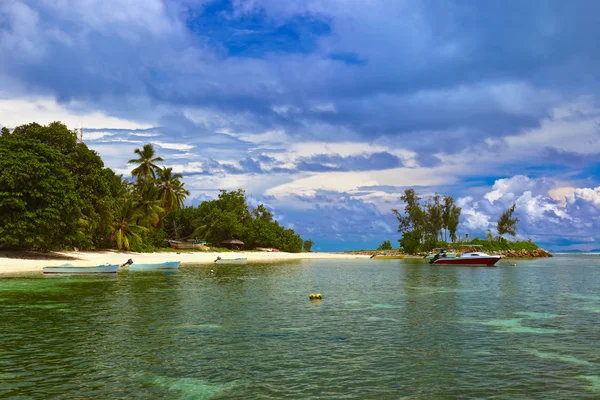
170,265
70,269
239,260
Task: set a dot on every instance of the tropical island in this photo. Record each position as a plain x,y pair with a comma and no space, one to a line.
57,195
427,225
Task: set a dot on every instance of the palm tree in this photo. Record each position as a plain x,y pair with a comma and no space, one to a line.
127,232
150,207
147,163
172,192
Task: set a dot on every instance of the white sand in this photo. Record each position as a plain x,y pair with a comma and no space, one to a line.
93,258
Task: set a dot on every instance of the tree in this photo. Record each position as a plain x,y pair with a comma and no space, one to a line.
434,218
223,218
261,212
453,221
149,204
386,245
413,218
127,232
5,131
39,206
146,163
507,224
308,244
446,212
410,242
171,190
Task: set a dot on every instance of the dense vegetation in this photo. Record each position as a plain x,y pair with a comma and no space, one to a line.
425,226
55,193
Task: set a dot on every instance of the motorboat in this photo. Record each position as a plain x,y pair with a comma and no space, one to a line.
169,265
471,257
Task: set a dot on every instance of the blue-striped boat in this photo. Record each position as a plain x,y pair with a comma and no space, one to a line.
154,266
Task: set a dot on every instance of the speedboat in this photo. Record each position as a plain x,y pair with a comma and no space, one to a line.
470,258
153,266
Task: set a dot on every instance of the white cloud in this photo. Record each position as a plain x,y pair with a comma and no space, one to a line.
15,112
590,195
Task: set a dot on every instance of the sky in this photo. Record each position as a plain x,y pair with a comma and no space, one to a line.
327,110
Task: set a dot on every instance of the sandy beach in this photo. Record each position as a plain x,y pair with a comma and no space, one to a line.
14,263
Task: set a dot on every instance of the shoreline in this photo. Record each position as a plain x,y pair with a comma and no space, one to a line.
12,263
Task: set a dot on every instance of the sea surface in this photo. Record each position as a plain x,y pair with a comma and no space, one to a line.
385,329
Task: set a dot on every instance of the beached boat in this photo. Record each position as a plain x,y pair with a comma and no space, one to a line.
471,258
154,266
239,260
99,269
384,257
70,269
187,244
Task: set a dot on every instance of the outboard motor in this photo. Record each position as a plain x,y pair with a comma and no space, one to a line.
438,255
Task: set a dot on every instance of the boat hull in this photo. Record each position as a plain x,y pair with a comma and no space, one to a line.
154,266
388,257
64,269
469,262
231,261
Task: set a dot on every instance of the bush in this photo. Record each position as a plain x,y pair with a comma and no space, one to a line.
386,245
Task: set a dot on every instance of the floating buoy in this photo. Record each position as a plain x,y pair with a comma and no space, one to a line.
317,296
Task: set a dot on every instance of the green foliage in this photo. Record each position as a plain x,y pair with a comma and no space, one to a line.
171,191
146,161
502,244
229,216
410,242
308,244
127,233
223,218
386,245
424,225
507,224
57,181
178,224
432,243
39,206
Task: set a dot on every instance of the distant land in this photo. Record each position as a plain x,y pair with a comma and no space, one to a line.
578,251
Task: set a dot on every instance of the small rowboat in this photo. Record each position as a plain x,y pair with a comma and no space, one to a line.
239,260
382,257
153,266
99,269
70,269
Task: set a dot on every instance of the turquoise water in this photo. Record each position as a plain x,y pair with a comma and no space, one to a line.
385,329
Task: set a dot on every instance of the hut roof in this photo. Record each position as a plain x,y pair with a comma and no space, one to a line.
232,241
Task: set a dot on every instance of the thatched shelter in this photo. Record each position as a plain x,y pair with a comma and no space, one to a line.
233,244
